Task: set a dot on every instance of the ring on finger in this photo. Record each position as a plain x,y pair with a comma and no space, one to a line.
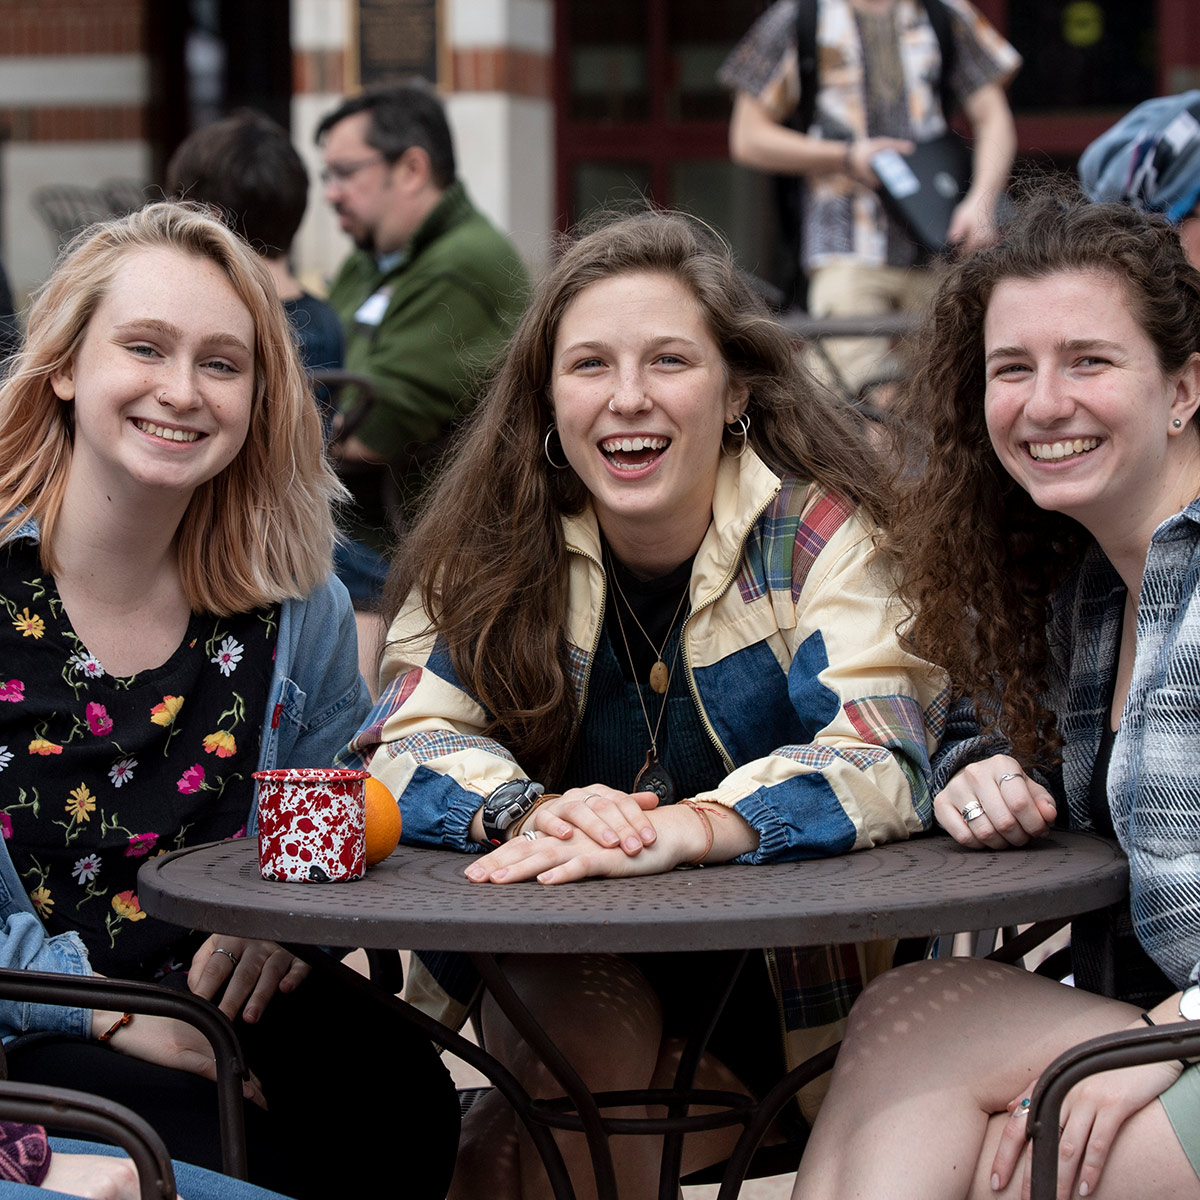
229,954
970,811
531,835
589,798
1022,1109
1006,777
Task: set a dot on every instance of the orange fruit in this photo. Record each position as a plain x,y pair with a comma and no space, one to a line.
383,820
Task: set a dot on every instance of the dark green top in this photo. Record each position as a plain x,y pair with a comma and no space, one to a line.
424,332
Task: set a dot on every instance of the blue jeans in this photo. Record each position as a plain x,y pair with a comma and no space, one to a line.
194,1183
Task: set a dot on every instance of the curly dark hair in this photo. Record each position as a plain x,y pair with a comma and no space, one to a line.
979,561
491,573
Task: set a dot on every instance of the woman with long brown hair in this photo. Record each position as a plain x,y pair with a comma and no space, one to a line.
1051,552
642,624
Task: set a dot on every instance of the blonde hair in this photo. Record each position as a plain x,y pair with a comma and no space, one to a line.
260,531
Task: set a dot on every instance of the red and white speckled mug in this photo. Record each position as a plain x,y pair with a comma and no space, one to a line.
311,825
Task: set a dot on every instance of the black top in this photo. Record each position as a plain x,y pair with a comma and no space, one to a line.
98,772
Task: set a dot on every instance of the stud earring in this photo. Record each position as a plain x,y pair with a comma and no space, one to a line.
1177,423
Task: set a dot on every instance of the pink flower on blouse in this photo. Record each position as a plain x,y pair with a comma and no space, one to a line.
191,780
140,844
13,691
6,825
99,722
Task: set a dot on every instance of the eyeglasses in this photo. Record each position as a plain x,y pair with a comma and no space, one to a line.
340,172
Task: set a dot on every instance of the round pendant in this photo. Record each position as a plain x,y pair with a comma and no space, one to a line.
660,677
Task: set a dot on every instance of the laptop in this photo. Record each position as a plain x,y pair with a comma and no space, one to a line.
922,189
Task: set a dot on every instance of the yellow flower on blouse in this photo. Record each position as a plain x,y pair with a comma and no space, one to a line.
166,712
220,743
126,905
30,626
42,900
40,745
81,804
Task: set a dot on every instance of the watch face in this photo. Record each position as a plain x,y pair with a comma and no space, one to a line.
1189,1004
506,805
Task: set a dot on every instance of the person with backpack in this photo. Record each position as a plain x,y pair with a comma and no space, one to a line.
820,87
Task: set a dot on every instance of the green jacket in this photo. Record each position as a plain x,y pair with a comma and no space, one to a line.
424,333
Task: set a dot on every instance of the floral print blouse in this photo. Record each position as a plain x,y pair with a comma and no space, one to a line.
98,772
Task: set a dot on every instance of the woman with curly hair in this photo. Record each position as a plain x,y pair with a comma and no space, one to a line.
1051,553
643,624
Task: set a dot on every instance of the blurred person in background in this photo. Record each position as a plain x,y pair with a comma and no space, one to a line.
1151,159
883,81
426,299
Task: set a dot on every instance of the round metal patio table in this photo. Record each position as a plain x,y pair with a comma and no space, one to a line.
419,899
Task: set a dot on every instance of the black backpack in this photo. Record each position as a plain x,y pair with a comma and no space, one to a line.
788,189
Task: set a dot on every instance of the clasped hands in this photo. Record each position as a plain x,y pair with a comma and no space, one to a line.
594,831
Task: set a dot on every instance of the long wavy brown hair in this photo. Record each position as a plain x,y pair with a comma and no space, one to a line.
487,558
978,561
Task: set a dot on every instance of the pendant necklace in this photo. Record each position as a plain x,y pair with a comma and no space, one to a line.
654,776
660,677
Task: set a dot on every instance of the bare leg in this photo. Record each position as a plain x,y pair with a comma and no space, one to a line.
932,1052
606,1019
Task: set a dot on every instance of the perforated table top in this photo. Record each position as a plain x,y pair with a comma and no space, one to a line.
419,899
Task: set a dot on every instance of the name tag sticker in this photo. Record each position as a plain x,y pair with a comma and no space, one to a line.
371,311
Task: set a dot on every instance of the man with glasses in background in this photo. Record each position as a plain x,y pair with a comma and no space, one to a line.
427,300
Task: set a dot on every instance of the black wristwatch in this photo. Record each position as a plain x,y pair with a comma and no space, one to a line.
506,806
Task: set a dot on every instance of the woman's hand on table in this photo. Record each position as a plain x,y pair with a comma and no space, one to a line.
1012,807
611,819
1089,1121
680,835
169,1043
250,971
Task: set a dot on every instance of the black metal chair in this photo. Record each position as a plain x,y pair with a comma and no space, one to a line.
1129,1048
124,196
81,1112
92,991
66,208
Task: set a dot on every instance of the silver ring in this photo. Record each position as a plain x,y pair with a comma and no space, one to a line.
229,954
590,797
531,835
970,811
1005,778
610,407
1022,1109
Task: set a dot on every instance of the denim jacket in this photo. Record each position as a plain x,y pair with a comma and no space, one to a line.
317,700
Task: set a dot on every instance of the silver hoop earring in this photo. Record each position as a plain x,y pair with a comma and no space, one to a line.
550,432
739,428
